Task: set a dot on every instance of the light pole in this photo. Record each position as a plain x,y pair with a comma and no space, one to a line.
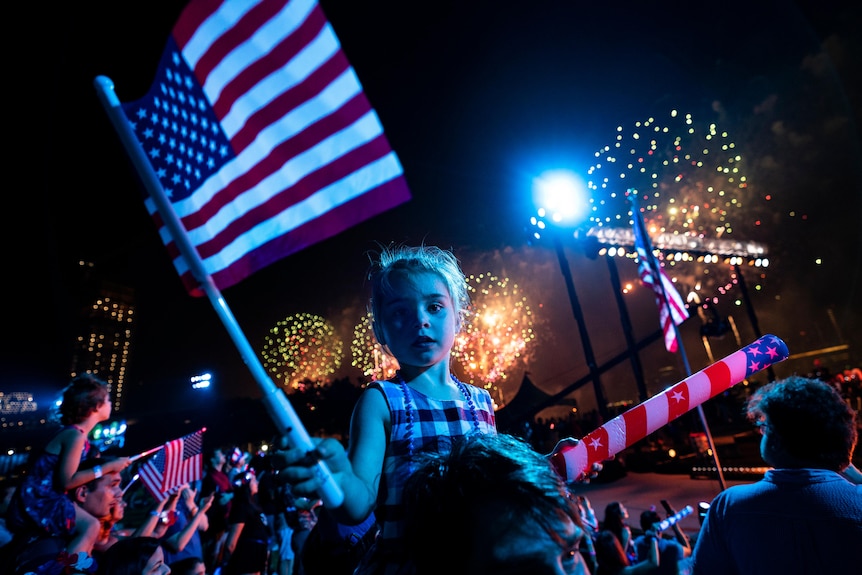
582,328
561,197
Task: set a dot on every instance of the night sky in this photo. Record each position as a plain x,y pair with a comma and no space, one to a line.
476,99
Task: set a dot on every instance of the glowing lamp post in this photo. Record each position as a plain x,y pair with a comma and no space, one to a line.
561,200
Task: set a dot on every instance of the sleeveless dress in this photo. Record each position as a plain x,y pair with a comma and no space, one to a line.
38,506
419,423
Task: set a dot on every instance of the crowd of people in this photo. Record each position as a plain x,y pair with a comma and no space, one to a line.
430,485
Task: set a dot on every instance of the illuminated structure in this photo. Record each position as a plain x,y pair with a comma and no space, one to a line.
695,200
103,348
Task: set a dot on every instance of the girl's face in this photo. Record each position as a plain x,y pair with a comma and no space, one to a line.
156,565
104,409
419,320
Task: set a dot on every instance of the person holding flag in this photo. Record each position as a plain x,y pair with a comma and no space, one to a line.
255,141
419,301
41,506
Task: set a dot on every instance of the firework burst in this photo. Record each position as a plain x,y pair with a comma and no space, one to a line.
300,348
499,332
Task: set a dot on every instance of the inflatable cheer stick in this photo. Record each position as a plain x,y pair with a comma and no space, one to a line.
572,461
665,523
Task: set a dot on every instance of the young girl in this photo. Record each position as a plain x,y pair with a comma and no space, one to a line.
419,301
41,506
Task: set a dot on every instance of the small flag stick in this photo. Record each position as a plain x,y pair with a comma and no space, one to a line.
145,453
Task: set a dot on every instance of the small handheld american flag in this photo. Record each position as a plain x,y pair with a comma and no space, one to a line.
179,462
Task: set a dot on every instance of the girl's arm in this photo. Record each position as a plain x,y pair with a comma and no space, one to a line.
72,443
357,472
648,564
627,539
178,541
147,528
367,449
231,540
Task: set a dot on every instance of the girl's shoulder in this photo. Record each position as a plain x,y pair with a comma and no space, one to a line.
65,437
387,388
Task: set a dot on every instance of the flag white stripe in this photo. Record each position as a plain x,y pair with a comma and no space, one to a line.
323,153
324,200
314,55
214,27
258,45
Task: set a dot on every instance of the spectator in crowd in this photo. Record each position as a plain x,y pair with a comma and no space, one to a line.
615,522
108,535
188,566
237,463
305,520
41,506
803,516
612,560
247,544
285,555
34,551
7,489
182,537
496,501
134,556
216,481
591,527
670,552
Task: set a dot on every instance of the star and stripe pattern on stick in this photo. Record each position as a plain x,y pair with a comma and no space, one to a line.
261,136
179,462
638,422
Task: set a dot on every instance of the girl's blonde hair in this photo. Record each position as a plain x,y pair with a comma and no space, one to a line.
399,258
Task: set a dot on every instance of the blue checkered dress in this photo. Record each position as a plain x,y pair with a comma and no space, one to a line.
434,423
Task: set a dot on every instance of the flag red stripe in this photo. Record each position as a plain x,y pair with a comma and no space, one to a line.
286,50
193,15
230,39
275,160
327,225
298,95
306,187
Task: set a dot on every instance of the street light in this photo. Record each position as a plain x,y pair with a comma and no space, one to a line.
561,200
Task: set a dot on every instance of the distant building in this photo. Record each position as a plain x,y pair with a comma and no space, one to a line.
102,346
99,333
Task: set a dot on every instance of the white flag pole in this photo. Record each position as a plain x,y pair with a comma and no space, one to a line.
276,401
656,273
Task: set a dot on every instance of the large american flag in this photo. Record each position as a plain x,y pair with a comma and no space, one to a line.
261,136
653,275
179,462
